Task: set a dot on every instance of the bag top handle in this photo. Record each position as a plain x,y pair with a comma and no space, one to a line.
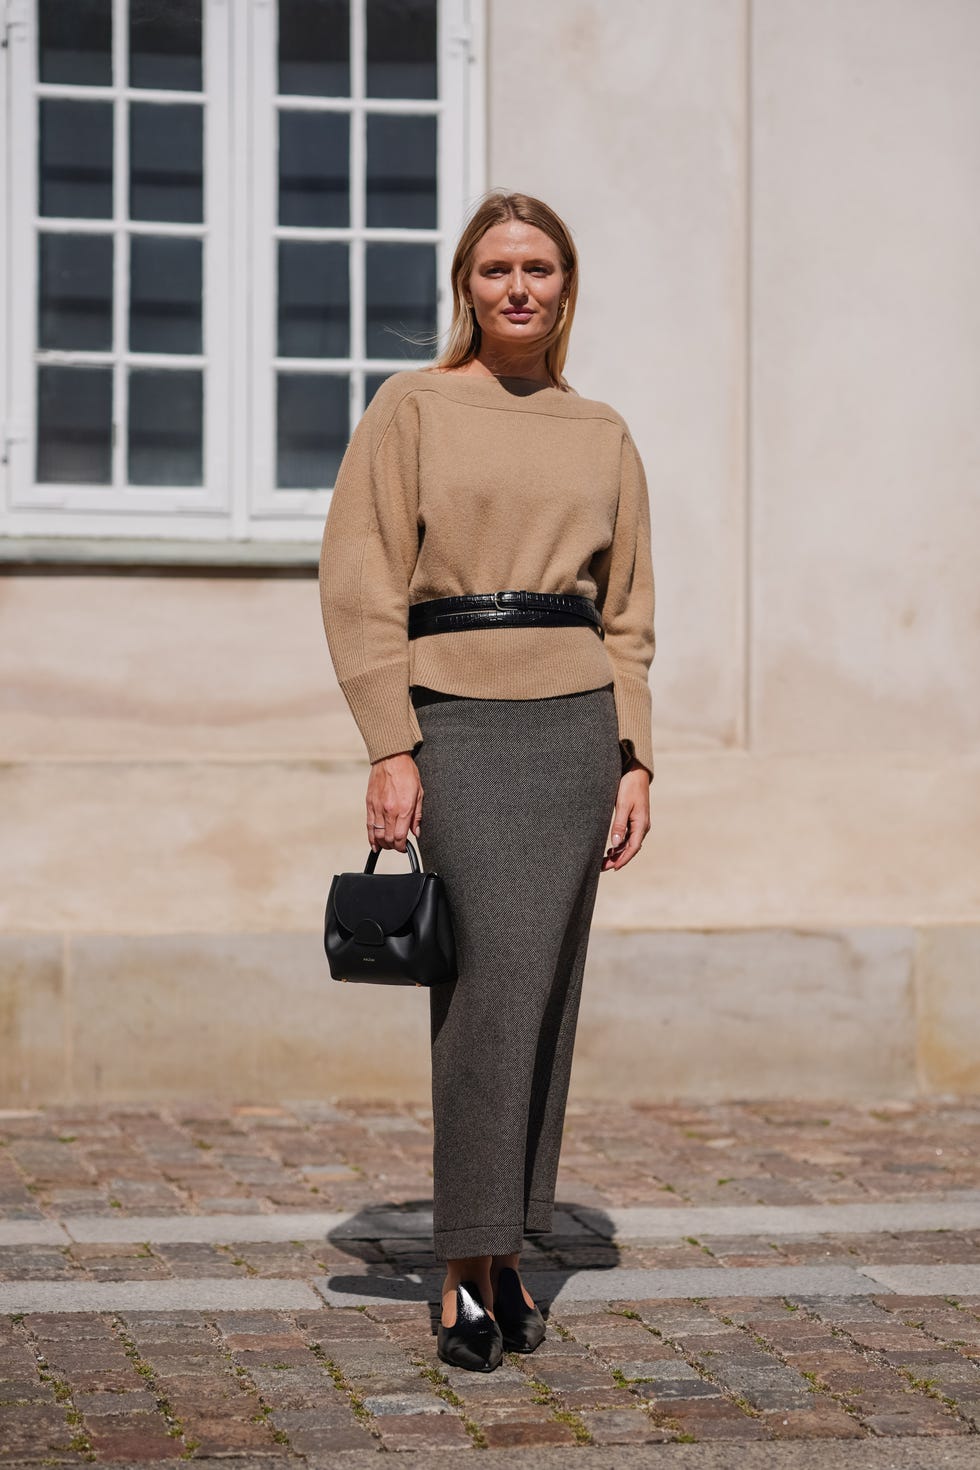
373,856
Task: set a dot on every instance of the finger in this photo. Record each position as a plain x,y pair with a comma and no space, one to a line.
400,829
389,818
632,847
620,825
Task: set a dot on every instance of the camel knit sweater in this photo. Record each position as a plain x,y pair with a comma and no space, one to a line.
456,484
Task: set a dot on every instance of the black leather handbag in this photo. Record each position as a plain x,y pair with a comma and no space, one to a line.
390,928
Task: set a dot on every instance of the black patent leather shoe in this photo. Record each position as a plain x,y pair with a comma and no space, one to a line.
522,1327
474,1341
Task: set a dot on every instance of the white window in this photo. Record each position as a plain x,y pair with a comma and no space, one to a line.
228,221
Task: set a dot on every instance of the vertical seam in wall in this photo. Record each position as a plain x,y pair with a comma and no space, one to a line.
747,402
68,1018
920,1077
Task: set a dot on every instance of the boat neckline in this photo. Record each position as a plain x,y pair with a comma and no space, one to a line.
535,385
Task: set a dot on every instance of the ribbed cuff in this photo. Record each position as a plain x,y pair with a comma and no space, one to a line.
634,713
379,701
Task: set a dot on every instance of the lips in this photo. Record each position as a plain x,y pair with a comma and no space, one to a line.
519,316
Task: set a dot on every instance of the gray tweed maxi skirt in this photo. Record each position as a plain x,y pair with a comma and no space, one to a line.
517,806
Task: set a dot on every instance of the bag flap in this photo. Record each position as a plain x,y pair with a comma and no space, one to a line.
387,898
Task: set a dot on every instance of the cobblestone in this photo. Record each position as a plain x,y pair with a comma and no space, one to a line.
287,1386
362,1153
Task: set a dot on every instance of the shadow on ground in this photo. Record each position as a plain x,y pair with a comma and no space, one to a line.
393,1242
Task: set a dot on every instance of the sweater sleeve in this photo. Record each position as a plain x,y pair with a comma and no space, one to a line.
626,600
367,556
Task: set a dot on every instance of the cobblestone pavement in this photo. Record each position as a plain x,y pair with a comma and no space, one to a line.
174,1282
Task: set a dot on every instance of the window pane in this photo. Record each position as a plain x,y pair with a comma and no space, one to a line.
75,292
165,44
401,48
165,427
401,299
76,158
312,420
314,47
75,42
401,171
314,299
166,162
164,294
74,425
313,168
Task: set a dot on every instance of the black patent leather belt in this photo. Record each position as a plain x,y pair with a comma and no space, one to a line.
520,609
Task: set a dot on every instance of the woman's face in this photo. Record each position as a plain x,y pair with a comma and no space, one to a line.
515,284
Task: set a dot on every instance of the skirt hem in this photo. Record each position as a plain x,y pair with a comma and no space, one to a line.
478,1240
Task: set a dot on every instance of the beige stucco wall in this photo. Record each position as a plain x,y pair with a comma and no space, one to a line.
866,376
778,218
167,668
632,125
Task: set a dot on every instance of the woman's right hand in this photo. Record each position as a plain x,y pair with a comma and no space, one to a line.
394,801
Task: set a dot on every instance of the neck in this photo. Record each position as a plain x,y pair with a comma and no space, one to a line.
503,364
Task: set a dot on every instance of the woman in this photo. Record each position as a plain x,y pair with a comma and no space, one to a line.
520,721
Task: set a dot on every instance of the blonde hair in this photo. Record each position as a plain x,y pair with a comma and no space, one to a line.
497,208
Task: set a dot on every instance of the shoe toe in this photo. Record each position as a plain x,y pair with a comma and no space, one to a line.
474,1341
526,1338
479,1354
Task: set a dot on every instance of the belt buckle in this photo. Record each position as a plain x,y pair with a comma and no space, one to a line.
509,593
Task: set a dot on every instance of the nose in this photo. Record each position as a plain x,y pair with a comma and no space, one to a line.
517,290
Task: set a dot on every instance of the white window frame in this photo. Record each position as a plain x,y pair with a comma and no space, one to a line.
238,501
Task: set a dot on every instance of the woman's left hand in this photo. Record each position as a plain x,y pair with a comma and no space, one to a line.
631,819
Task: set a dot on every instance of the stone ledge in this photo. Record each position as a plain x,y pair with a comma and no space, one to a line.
68,556
848,1012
